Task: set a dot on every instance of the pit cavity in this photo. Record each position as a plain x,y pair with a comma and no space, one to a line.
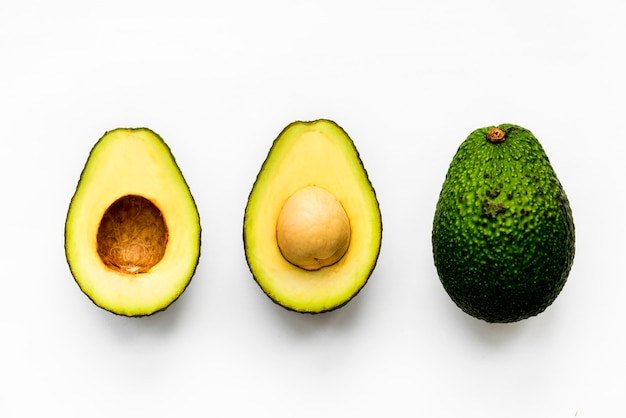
132,235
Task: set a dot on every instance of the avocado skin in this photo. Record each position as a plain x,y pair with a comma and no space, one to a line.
503,232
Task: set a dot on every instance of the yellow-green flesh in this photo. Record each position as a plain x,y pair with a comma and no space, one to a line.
132,162
320,154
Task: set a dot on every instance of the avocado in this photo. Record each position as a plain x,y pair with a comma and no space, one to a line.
503,232
312,227
132,233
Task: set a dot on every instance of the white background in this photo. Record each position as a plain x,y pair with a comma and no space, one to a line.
408,81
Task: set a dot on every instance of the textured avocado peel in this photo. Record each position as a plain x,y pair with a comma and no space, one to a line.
503,232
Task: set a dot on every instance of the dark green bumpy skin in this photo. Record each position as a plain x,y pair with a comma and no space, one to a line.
503,232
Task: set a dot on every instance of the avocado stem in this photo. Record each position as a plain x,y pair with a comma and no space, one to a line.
495,135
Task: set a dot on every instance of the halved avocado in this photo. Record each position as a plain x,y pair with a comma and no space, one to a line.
312,226
132,234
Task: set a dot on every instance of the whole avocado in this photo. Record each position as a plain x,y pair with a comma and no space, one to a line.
503,232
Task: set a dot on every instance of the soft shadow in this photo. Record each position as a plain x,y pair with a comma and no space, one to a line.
158,325
305,324
492,334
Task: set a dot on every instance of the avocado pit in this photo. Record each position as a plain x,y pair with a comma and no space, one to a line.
132,235
313,229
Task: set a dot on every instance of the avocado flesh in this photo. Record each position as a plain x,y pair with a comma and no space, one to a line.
317,153
132,234
503,232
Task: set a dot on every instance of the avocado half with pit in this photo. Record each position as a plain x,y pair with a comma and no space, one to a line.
312,226
132,234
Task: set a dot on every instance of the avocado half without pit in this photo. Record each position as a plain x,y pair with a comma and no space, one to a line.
132,234
312,226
